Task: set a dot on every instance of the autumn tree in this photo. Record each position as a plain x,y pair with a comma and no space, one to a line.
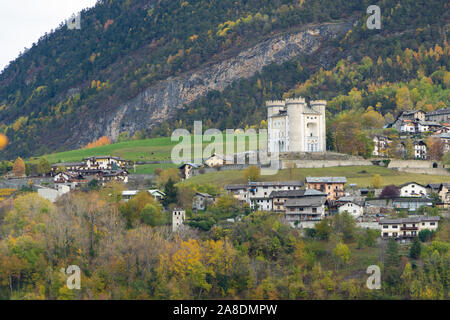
44,166
376,181
408,151
372,119
19,167
403,99
436,147
341,254
252,173
102,141
168,174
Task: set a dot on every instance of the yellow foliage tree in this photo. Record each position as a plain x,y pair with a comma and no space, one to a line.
19,167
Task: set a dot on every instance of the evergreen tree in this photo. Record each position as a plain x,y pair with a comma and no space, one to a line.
416,248
171,193
392,266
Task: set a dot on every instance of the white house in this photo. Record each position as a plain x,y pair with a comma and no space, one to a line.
412,189
405,228
380,146
52,194
408,127
420,150
156,194
178,218
350,205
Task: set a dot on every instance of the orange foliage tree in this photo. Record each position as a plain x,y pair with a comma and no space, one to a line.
103,141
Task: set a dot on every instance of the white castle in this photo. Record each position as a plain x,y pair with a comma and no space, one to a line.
293,126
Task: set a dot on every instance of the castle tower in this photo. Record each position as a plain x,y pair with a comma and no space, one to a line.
319,106
178,217
295,124
276,127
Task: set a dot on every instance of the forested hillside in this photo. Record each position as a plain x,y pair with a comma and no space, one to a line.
72,80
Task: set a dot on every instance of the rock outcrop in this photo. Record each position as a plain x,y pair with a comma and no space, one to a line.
158,102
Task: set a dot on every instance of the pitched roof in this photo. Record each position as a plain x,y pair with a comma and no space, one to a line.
306,202
413,199
295,193
438,112
204,194
408,183
277,183
416,219
188,164
326,179
235,186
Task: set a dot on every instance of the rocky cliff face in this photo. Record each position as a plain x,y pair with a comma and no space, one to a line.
158,102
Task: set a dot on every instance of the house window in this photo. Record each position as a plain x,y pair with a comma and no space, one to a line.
385,227
394,227
385,234
432,223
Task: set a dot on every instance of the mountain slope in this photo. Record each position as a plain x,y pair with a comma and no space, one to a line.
135,62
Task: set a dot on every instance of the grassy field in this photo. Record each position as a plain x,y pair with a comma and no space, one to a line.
361,175
156,149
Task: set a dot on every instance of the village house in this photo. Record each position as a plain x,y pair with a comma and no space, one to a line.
280,197
411,204
257,194
351,205
187,170
70,179
178,218
105,163
155,193
52,194
420,150
407,228
412,189
444,193
445,137
408,126
67,166
105,176
217,160
332,186
202,200
440,115
310,208
239,191
381,145
433,187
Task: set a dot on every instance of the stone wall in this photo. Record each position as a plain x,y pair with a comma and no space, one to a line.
19,183
324,163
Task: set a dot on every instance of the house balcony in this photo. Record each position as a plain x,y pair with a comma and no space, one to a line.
409,228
